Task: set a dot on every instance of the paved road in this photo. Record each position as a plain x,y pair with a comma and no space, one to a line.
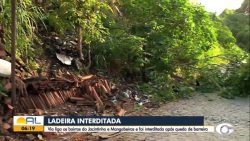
215,109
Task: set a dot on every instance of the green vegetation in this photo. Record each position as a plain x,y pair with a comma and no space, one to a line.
238,22
28,14
167,47
85,17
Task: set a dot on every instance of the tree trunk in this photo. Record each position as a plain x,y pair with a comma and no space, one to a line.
13,54
89,58
79,31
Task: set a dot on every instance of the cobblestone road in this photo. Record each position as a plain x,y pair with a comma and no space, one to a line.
215,109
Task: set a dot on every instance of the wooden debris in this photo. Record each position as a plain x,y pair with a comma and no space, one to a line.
10,107
41,94
121,112
6,126
86,77
85,103
100,105
39,112
104,88
38,95
107,86
75,99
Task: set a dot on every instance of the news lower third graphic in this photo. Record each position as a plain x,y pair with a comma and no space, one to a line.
28,123
116,124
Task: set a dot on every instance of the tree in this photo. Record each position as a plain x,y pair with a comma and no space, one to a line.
83,16
176,32
244,7
224,35
238,23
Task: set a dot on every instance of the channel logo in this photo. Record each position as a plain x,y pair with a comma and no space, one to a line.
28,123
29,120
224,129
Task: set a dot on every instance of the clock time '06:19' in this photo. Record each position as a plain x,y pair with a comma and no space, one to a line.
28,128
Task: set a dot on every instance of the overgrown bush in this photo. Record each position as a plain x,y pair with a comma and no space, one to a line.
121,53
238,81
164,87
28,14
160,87
68,15
229,74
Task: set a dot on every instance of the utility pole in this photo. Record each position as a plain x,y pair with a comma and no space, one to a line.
13,54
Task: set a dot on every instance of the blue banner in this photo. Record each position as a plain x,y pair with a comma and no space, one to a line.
126,120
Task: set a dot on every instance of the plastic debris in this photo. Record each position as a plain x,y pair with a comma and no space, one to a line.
137,98
40,137
114,100
140,103
127,93
5,68
67,60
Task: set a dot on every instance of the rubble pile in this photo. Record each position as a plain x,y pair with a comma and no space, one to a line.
35,96
40,94
49,93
